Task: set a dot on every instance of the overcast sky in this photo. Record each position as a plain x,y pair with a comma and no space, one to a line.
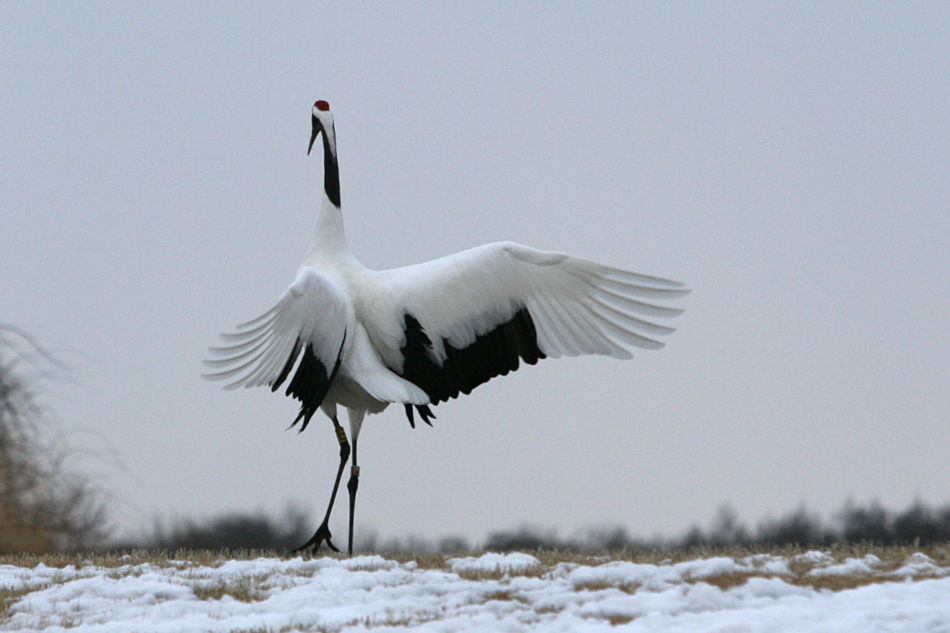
789,162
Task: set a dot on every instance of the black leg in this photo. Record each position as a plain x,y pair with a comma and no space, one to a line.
323,532
352,485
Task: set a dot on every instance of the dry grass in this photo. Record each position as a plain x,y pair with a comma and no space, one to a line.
242,590
10,596
893,556
502,586
599,585
503,595
800,567
163,558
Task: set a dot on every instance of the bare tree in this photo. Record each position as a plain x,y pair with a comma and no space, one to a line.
43,507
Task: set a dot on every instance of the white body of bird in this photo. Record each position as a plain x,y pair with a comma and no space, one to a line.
425,333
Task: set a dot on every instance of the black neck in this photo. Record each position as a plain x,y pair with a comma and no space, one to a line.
331,173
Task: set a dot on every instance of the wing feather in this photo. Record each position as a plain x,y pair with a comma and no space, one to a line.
306,328
468,317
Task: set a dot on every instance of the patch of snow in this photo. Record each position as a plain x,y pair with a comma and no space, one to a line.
850,567
706,567
814,557
768,564
369,593
919,565
494,562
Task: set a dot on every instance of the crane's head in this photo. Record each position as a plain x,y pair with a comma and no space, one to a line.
322,121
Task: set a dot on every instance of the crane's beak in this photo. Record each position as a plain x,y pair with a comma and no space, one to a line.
317,126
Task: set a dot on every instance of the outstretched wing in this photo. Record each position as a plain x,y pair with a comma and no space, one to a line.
454,323
308,324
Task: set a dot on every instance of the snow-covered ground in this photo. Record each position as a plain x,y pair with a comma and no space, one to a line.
492,592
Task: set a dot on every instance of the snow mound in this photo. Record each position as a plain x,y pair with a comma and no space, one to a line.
850,567
920,565
493,562
493,592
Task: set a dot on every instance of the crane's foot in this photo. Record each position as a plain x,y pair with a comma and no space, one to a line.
322,535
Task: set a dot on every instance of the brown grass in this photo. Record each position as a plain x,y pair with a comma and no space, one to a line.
254,587
242,590
10,596
891,559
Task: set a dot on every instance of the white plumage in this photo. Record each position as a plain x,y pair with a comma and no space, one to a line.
347,335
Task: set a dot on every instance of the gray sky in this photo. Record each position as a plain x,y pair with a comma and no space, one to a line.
788,162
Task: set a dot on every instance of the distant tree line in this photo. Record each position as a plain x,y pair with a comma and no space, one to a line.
918,525
234,531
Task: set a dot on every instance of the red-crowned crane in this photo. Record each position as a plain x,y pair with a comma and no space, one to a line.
345,335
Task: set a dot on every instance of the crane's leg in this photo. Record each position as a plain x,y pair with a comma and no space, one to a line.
323,532
356,423
352,485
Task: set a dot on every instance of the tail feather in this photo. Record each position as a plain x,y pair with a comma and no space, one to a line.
424,412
